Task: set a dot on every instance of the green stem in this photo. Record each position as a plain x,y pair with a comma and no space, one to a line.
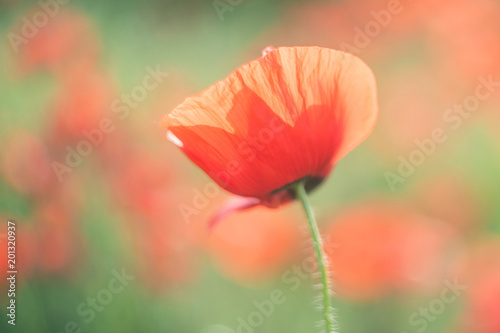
320,258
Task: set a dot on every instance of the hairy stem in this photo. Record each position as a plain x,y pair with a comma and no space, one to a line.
320,258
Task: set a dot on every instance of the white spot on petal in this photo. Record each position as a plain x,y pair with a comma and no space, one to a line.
175,140
268,50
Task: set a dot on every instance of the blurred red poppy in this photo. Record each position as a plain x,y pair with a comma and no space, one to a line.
375,249
144,186
413,102
467,34
254,246
290,115
139,181
449,198
26,164
375,29
67,37
3,263
58,247
27,252
164,251
484,304
479,271
83,102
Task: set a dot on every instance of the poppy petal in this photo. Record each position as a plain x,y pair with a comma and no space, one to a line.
290,114
233,204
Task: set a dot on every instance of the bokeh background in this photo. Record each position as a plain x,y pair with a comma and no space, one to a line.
118,240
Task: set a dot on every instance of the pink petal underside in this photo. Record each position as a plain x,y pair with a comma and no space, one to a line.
233,204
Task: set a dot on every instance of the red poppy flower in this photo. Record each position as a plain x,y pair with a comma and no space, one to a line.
287,116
